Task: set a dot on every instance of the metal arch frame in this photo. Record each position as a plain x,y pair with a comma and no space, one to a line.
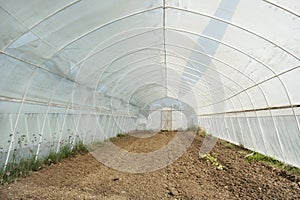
237,26
185,10
251,131
195,75
282,8
270,115
152,81
146,88
21,23
229,46
97,126
285,89
87,33
186,59
155,71
175,99
128,53
226,64
148,112
14,127
265,66
233,127
239,121
264,95
191,33
110,76
121,40
151,97
44,121
149,82
45,118
110,79
176,70
107,83
36,66
164,46
213,58
189,11
248,56
251,101
38,22
202,14
276,75
147,95
106,66
111,22
256,83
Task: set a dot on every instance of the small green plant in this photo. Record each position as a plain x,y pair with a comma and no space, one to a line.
201,132
213,160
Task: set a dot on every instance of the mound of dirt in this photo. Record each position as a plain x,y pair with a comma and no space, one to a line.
83,177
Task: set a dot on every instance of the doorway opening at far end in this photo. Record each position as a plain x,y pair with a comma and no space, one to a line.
172,120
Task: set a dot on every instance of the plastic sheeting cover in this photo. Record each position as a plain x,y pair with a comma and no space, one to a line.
68,65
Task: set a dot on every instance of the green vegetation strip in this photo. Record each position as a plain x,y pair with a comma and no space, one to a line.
22,168
257,157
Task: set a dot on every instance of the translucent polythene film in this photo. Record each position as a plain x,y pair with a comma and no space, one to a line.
89,70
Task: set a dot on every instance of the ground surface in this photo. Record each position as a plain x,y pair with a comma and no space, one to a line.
83,177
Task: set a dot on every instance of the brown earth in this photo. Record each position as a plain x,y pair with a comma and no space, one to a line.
83,177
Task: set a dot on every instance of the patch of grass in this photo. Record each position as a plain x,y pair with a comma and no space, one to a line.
79,148
213,160
65,152
121,135
227,144
23,167
291,169
254,156
257,157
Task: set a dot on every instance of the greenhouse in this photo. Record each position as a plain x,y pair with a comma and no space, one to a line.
78,73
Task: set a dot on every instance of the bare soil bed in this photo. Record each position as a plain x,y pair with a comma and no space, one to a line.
83,177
